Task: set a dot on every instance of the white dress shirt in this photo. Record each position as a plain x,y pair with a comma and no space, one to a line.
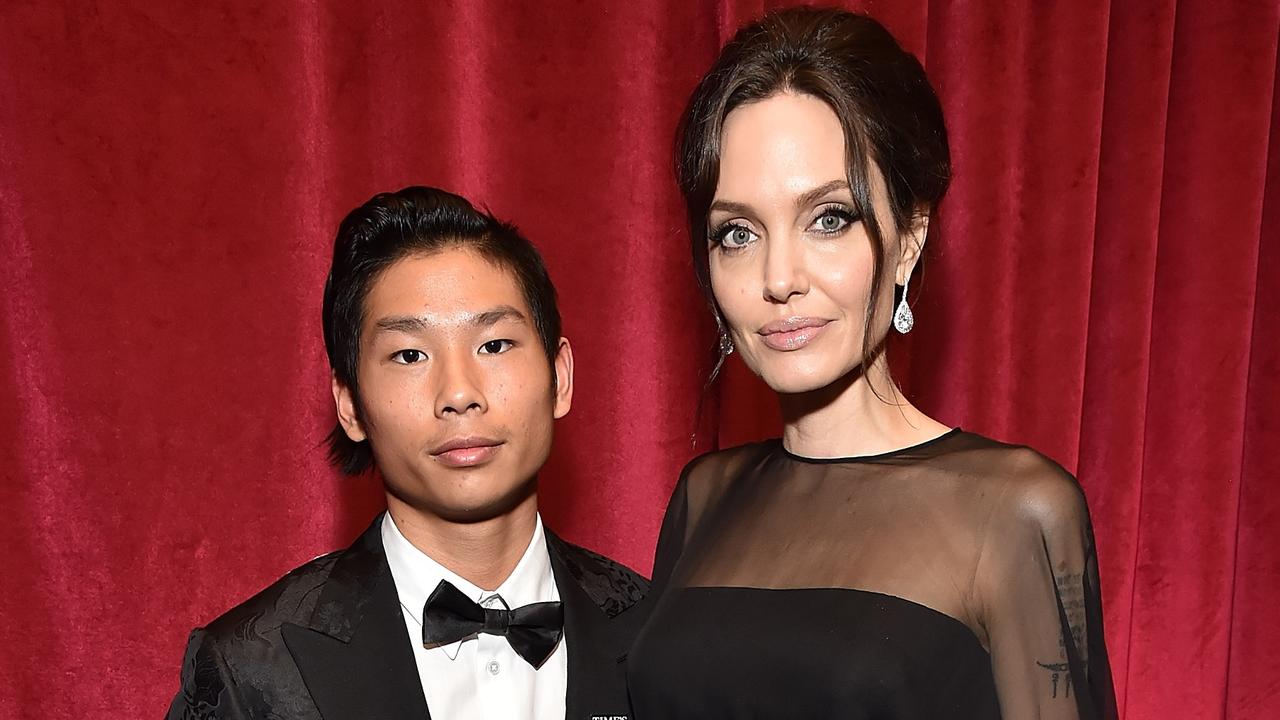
481,676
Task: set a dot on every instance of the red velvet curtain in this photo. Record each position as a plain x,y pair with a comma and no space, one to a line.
1104,287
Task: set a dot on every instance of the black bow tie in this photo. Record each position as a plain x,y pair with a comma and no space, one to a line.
533,630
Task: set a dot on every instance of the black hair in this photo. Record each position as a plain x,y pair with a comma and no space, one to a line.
414,221
889,113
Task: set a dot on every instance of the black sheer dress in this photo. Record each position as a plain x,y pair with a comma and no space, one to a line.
952,579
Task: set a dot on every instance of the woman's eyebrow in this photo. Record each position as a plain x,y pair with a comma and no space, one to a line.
728,206
810,197
805,199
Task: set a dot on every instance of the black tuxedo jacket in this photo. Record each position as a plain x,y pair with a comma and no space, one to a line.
328,641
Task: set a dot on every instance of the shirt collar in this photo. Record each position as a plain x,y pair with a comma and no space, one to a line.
416,576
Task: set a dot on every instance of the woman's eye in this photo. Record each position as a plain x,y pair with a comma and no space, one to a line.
832,221
734,236
408,357
493,347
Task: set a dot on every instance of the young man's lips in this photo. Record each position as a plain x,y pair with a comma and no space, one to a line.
791,334
466,452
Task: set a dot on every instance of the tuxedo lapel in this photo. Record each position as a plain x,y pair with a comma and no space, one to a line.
353,653
597,645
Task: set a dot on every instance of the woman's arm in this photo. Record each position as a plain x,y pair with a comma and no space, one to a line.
1037,581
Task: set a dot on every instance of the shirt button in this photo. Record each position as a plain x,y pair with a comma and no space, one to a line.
493,667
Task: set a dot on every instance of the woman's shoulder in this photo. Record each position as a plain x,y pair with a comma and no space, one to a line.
706,478
1024,484
726,462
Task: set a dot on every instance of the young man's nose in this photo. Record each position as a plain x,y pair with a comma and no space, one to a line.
459,391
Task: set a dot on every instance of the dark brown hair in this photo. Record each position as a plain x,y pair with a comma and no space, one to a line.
390,227
889,113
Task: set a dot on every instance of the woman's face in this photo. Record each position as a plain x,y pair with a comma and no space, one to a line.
791,263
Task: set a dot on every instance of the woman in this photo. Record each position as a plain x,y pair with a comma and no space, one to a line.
872,562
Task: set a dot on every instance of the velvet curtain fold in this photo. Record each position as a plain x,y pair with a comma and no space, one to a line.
1103,286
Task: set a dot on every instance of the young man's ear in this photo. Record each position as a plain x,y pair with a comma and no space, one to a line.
912,247
345,402
562,368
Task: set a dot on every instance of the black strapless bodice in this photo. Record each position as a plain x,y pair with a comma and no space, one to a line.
807,653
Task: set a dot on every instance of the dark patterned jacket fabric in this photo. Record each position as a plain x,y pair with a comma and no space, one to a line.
328,641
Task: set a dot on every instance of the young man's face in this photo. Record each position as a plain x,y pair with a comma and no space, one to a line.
457,397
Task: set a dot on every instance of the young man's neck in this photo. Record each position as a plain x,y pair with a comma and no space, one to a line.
484,553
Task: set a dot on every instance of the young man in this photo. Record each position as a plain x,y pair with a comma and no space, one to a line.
448,369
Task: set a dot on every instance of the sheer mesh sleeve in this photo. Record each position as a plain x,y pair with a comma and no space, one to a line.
671,537
701,489
1037,580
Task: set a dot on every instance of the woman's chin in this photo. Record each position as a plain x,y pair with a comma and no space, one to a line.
794,383
786,376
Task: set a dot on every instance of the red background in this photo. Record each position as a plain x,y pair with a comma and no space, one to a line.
1104,288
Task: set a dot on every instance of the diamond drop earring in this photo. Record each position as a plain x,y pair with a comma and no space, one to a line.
726,345
903,320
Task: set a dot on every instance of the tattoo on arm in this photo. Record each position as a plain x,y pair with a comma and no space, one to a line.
1059,677
1070,588
1071,593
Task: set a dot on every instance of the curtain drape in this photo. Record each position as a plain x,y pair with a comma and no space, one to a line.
1103,286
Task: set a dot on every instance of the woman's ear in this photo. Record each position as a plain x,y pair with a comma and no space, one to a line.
912,247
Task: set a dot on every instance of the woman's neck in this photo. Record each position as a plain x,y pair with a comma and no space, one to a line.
860,414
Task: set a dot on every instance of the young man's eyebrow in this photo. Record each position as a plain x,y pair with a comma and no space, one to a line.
492,317
411,324
402,324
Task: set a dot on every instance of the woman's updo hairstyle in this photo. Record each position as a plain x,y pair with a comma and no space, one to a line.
878,91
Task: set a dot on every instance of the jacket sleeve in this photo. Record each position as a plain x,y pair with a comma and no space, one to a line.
208,690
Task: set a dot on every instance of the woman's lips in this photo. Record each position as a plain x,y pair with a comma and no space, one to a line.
792,333
466,452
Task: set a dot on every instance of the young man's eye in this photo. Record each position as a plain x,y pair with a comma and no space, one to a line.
493,347
408,357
